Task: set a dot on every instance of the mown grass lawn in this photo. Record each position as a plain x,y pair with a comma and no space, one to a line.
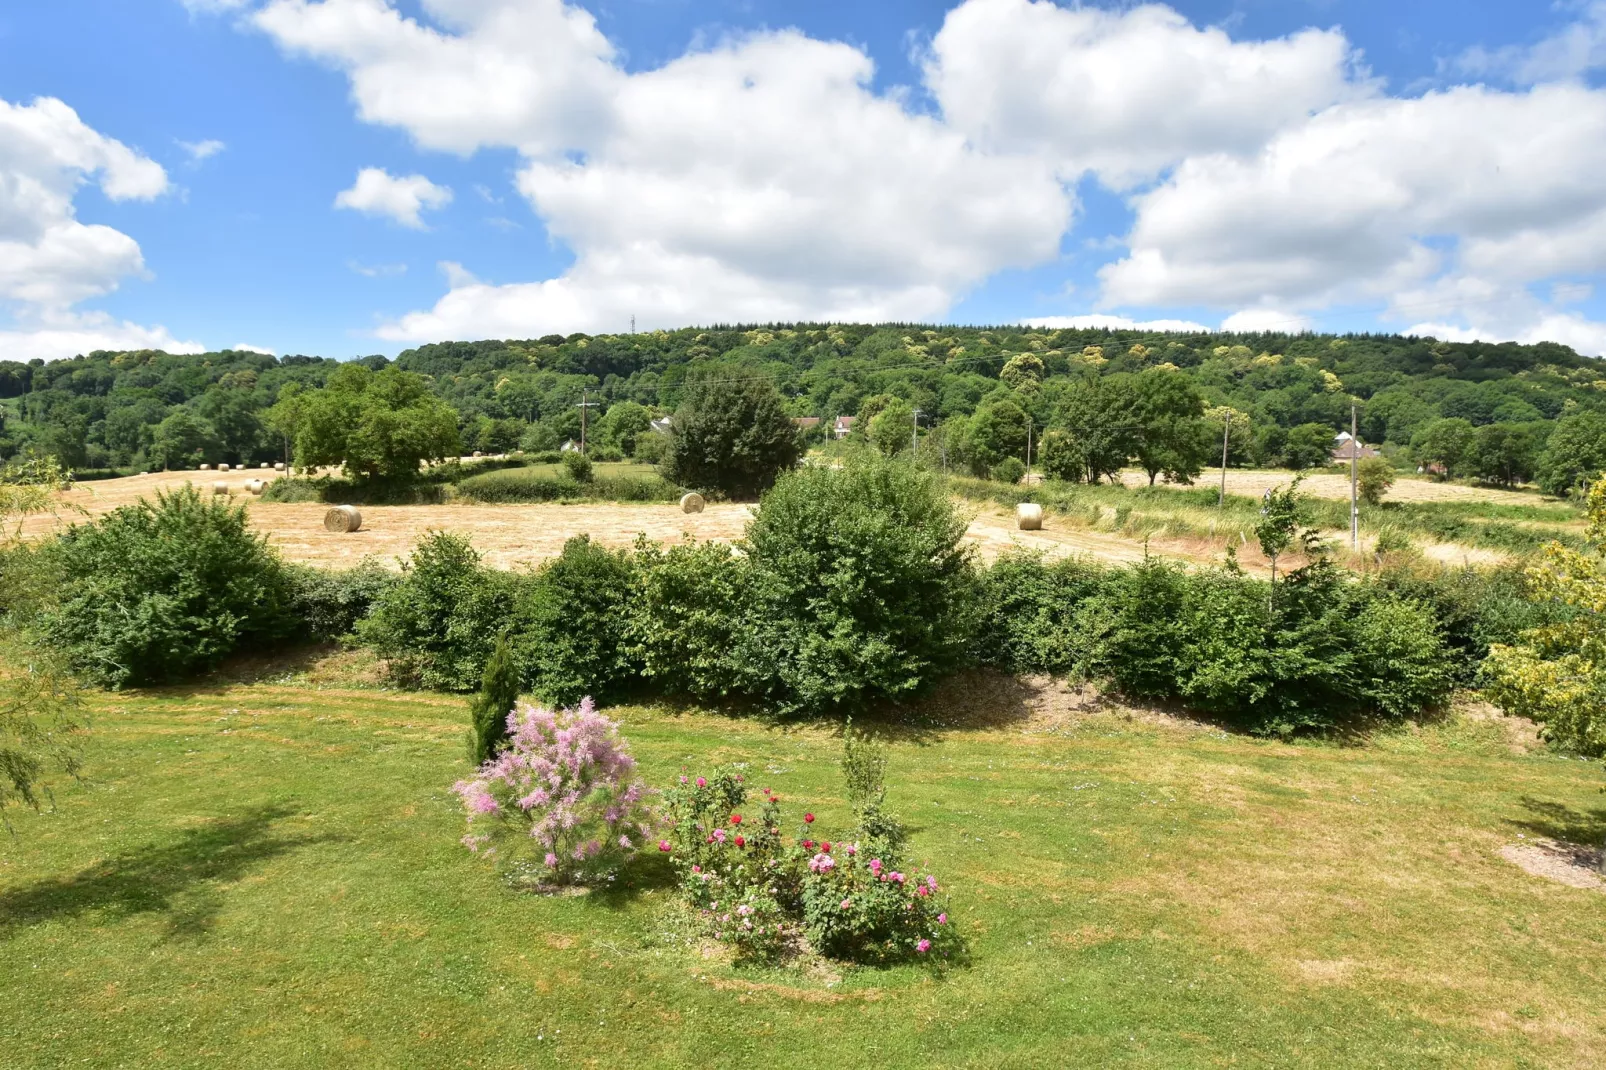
269,875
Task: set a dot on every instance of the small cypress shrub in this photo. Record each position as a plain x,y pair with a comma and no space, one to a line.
488,712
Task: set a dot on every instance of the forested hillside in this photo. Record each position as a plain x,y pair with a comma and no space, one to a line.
153,409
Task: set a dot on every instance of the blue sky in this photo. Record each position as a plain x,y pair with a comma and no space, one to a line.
982,194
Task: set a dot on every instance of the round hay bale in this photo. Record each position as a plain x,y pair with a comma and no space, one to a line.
479,453
222,468
220,487
266,465
279,466
342,519
692,503
1029,516
206,468
255,486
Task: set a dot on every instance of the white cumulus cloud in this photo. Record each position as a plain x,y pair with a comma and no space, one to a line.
764,177
1125,93
49,260
378,192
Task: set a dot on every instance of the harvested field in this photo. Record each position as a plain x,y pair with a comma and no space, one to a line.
1255,482
511,536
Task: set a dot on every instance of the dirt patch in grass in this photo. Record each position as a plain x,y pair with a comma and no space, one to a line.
1565,863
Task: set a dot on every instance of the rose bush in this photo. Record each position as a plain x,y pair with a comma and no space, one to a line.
765,893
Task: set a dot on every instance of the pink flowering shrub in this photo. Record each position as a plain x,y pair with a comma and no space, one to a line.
763,892
563,791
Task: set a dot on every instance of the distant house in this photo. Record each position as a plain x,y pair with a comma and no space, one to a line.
806,423
1346,448
571,446
661,425
843,426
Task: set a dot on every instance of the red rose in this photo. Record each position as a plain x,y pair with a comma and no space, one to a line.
740,842
736,819
808,819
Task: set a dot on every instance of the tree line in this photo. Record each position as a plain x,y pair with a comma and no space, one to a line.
1088,401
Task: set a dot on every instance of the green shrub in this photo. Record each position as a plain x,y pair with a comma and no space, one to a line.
860,587
1009,471
328,603
155,592
437,625
578,466
336,491
571,629
1038,616
686,620
534,485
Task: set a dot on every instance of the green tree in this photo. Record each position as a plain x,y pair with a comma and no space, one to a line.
1373,476
498,694
235,418
1556,674
622,425
732,436
1282,520
892,429
1096,418
1308,446
1022,369
998,430
1061,457
183,440
1445,444
1575,455
1172,437
376,425
1501,453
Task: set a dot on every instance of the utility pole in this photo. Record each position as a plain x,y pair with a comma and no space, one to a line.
1354,482
583,406
1028,451
1226,430
914,436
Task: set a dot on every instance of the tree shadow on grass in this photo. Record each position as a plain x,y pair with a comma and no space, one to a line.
1562,823
178,880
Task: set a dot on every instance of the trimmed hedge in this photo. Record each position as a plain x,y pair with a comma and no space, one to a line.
530,485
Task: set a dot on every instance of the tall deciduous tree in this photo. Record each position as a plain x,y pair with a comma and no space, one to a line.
731,435
1172,438
374,424
1574,455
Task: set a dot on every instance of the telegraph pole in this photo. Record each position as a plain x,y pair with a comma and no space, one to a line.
583,406
914,436
1226,430
1028,451
1354,470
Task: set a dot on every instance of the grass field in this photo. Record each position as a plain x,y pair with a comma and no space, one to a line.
267,875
